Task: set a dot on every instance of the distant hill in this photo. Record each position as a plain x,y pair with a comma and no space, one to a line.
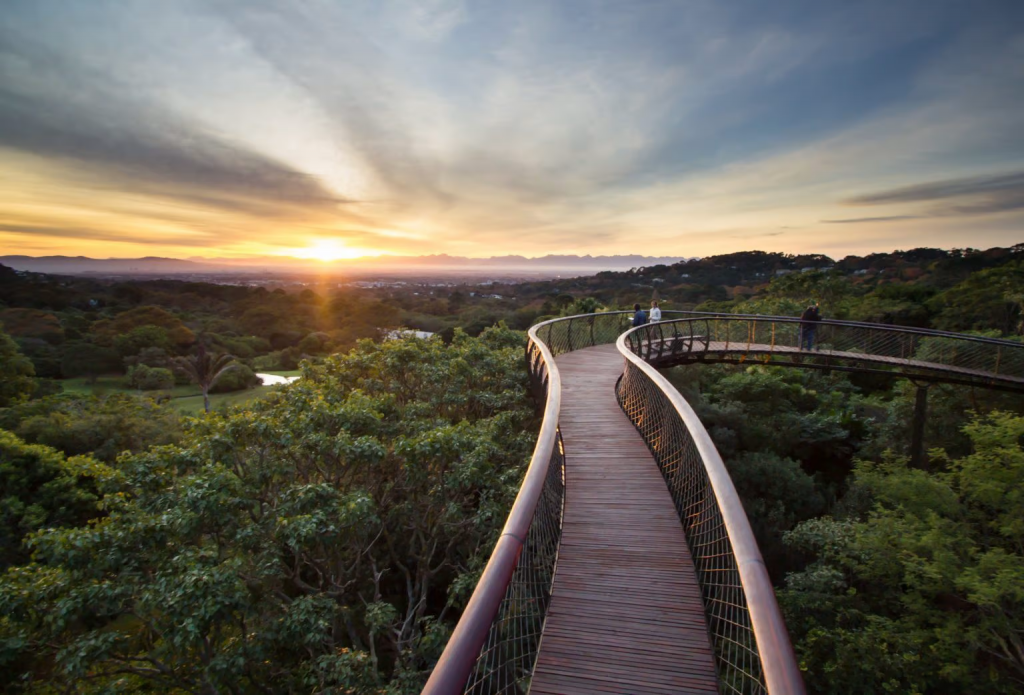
78,265
75,265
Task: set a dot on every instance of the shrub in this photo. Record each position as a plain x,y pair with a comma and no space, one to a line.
146,378
138,339
238,378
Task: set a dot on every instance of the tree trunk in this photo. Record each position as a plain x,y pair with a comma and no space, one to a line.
918,459
206,399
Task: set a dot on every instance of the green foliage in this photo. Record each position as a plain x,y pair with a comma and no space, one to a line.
44,356
776,494
307,542
901,304
830,288
317,343
279,544
32,323
949,407
100,426
205,369
989,298
583,305
787,412
155,357
146,378
142,338
244,347
787,437
772,305
238,378
106,331
266,320
925,593
282,360
40,490
82,358
16,372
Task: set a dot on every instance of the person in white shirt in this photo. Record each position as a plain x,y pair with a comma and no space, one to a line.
655,314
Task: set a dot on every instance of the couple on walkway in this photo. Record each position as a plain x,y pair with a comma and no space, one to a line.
640,317
808,321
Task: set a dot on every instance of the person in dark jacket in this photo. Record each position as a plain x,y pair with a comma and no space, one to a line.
808,324
639,318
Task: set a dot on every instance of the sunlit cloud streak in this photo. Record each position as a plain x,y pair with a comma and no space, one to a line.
860,220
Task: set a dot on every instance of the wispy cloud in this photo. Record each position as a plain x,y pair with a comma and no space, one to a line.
946,189
56,108
975,195
94,234
859,220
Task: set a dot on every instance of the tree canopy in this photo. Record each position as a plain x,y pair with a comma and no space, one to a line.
16,372
925,591
321,539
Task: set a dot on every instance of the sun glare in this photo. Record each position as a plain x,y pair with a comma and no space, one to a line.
328,250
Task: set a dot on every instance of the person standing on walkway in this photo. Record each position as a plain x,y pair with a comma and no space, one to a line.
655,311
808,325
639,317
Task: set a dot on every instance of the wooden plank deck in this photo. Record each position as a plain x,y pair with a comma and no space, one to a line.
626,614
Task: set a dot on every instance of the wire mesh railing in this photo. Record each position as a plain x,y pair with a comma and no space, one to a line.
587,330
950,356
753,653
506,660
494,646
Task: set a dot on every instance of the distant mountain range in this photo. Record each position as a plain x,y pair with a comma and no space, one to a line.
150,265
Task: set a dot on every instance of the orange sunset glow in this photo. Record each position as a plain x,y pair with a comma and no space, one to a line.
336,131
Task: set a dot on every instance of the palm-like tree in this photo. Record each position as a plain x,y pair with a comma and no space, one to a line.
1017,299
204,369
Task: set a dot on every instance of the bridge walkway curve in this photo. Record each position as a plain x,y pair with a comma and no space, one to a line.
626,613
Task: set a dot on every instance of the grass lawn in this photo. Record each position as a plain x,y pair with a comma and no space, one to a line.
287,372
114,383
193,405
187,398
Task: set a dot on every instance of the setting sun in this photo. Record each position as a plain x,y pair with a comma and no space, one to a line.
328,250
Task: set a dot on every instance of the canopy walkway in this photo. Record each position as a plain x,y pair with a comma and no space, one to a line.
627,564
920,354
626,609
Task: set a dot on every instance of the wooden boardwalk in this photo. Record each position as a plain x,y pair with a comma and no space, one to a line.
626,614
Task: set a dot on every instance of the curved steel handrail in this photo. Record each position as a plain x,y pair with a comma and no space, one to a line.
476,630
778,662
931,332
456,664
933,355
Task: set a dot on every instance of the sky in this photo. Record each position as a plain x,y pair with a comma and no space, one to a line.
340,128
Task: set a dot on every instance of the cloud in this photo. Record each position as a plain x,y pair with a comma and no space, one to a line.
949,188
58,109
857,220
94,234
532,127
431,20
975,195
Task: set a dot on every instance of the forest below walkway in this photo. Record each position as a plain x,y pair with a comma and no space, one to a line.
325,535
